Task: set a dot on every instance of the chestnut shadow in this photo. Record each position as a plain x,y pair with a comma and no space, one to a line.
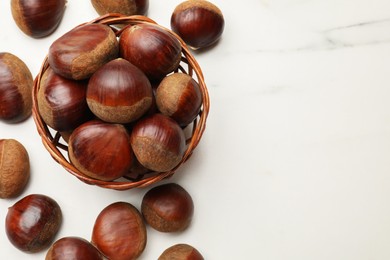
205,49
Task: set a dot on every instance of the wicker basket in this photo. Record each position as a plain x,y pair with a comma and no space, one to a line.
58,148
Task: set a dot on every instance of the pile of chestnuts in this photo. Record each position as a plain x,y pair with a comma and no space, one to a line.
120,98
126,106
119,231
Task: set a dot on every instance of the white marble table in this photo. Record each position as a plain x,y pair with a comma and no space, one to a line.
294,163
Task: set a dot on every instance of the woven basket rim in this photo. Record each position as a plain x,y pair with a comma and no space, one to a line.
50,138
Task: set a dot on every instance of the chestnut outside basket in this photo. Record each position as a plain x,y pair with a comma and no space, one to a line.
57,147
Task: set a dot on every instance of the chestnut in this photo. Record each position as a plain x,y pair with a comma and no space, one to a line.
158,142
14,168
119,92
168,208
68,248
126,7
152,49
15,89
62,102
181,252
199,23
179,97
101,150
38,18
32,222
83,50
119,232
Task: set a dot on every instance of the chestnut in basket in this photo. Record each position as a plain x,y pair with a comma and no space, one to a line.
175,145
119,92
101,150
168,208
119,231
38,18
181,252
178,96
158,142
15,89
68,248
198,22
14,168
32,222
126,7
62,102
82,51
152,49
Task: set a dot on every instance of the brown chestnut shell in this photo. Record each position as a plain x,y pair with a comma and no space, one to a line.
181,252
80,52
101,150
15,89
62,102
32,222
73,248
168,208
119,92
154,50
126,7
179,97
119,232
38,18
14,168
199,23
158,142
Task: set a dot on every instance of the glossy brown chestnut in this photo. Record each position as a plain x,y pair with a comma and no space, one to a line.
14,168
72,248
119,232
82,51
32,222
179,97
38,18
198,22
126,7
158,142
119,92
181,252
101,150
154,50
167,208
62,102
15,89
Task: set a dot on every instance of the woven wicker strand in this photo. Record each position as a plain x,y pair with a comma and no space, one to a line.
58,150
